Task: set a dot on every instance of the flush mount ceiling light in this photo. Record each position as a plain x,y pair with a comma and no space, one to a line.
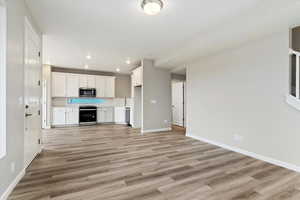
152,7
89,57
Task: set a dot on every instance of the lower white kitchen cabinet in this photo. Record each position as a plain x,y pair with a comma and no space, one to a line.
62,116
58,116
72,116
120,115
105,115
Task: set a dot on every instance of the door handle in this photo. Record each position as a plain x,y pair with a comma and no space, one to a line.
27,115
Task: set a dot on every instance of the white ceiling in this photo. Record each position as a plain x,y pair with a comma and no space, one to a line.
113,30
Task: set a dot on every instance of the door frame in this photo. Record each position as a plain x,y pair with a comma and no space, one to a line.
183,90
29,29
3,42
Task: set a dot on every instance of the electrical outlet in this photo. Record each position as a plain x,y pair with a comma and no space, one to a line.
153,101
12,167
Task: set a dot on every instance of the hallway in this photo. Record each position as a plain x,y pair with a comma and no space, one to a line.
115,162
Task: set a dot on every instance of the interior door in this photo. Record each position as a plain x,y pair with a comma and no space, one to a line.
178,103
32,95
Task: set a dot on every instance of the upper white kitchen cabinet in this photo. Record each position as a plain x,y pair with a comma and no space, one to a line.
137,76
100,86
59,84
87,81
110,86
72,85
91,81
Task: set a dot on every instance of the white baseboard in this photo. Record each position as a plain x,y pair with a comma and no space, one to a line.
248,153
157,130
11,187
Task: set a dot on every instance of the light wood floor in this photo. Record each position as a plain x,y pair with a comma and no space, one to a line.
116,163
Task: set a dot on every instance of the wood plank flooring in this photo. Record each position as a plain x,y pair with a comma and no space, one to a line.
116,163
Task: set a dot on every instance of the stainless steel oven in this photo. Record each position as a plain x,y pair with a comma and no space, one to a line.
87,115
87,92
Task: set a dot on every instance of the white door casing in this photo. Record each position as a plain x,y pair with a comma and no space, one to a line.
32,94
2,78
178,103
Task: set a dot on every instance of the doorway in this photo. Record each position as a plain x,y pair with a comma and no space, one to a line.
178,103
32,94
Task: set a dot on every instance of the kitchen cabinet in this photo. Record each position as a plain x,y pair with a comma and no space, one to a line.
72,116
91,81
120,115
137,76
67,84
62,116
105,86
72,85
110,87
105,115
100,115
58,116
87,81
58,84
100,86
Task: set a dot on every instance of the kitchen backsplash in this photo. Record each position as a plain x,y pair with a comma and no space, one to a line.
117,102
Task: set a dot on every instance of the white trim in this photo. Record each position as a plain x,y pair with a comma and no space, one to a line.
11,187
156,130
248,153
293,101
297,77
3,41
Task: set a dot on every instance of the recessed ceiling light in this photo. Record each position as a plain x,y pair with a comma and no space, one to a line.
118,70
86,66
88,57
128,62
152,7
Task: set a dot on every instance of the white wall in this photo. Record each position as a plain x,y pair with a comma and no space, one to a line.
16,12
242,92
123,86
137,107
157,97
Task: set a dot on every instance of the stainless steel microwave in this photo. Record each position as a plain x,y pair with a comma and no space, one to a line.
87,92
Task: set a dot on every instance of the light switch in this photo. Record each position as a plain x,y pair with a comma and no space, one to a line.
153,101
